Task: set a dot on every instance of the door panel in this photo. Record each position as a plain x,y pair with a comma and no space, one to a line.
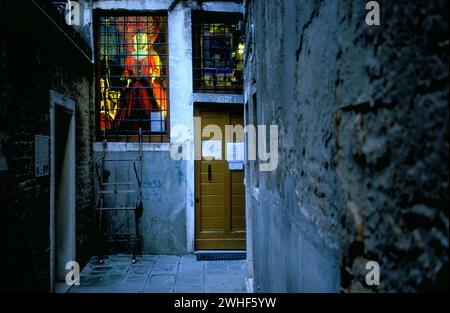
220,196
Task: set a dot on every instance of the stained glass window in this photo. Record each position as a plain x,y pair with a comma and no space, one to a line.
132,77
218,51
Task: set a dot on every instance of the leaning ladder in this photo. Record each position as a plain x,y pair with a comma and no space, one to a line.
106,189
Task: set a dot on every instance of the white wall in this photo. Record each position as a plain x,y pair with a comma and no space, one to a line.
181,94
181,108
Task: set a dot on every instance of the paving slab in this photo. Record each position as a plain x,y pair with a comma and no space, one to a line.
161,284
161,274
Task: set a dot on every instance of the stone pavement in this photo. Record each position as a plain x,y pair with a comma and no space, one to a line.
160,274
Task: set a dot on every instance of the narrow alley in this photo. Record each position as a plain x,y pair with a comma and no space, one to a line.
224,146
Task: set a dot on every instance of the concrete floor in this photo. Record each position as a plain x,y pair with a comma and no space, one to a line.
161,274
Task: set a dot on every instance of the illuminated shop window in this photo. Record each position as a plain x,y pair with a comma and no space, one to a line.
132,77
218,51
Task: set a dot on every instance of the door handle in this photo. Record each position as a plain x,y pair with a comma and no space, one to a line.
209,172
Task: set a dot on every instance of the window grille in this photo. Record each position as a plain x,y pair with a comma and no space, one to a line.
132,77
218,51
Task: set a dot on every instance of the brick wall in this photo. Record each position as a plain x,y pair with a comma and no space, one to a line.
34,58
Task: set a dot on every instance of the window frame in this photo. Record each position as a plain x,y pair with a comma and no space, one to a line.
163,137
199,17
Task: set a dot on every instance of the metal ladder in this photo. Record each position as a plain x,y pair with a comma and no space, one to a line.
105,190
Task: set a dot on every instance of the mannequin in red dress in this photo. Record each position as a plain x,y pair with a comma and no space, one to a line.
143,94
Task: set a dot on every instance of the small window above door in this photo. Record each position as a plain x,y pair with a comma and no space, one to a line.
218,50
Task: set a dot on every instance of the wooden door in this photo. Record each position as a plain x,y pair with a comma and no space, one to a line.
220,195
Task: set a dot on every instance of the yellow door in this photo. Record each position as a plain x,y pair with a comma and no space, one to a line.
220,196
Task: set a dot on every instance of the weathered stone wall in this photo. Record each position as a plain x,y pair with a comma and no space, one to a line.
36,57
295,214
363,144
391,133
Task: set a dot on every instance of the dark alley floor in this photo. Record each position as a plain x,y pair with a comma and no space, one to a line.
161,274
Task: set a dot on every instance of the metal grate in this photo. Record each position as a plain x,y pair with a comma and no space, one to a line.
132,77
218,51
220,256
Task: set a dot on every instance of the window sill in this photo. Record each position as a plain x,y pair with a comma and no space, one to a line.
217,98
131,146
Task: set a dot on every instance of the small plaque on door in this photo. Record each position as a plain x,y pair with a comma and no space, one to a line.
235,151
212,149
236,166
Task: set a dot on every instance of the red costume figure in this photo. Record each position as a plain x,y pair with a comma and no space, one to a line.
142,66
